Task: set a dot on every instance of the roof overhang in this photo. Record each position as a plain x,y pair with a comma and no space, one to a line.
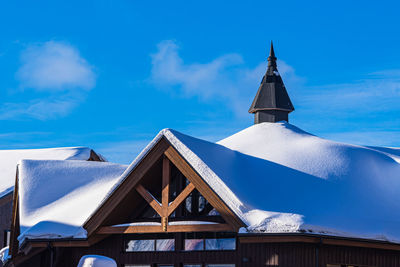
317,239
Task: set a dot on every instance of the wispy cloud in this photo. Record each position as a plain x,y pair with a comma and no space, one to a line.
332,109
53,79
226,78
41,109
54,66
377,91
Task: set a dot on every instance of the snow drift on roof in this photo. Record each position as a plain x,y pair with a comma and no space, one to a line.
311,184
57,196
10,158
275,177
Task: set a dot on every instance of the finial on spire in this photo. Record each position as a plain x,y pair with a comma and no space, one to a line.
271,60
271,51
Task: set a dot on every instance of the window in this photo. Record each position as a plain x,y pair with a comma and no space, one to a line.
165,244
142,245
7,235
221,244
217,241
192,265
194,244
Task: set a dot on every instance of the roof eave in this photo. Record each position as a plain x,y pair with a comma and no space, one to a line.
254,110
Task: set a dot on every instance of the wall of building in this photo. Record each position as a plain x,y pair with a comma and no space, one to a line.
5,220
246,255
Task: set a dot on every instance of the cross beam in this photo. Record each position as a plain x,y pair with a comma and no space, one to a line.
165,209
217,227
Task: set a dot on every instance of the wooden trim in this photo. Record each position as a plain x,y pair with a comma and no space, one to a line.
166,178
150,199
200,228
133,178
203,188
278,239
14,244
130,229
363,244
323,240
94,156
180,198
159,229
125,187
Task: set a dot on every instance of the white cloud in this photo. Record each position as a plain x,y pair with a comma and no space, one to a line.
55,79
41,109
226,78
54,66
373,101
379,91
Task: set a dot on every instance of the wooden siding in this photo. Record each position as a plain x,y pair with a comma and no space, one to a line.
246,255
5,217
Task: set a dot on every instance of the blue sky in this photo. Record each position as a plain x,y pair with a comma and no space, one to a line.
111,74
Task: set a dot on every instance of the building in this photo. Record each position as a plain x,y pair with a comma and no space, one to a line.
8,163
270,195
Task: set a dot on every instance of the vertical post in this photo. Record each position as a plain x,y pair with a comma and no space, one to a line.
15,231
166,177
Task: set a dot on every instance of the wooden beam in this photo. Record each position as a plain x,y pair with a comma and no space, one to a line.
278,239
203,188
166,177
180,198
356,243
128,184
325,240
218,227
15,231
130,229
150,199
171,228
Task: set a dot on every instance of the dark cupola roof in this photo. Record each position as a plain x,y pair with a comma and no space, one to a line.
272,102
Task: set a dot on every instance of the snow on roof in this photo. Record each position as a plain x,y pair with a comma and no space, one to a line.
57,196
275,177
10,158
278,178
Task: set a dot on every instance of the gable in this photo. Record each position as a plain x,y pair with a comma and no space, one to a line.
10,158
141,188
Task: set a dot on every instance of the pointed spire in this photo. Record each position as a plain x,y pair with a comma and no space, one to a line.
272,102
272,67
271,51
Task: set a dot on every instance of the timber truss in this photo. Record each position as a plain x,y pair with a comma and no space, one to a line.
165,208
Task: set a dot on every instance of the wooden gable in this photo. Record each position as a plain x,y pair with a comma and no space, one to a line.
139,187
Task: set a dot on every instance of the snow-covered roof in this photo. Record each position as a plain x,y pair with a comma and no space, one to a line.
10,158
57,196
275,177
278,178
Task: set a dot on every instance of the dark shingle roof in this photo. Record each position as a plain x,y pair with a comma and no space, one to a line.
271,94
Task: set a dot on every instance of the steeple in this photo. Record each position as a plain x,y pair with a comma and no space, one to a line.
272,102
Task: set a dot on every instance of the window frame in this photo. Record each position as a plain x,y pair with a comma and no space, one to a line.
153,237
